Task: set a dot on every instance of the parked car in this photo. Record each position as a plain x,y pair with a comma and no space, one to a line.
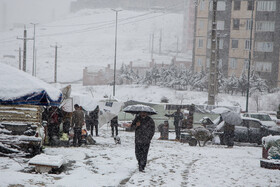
264,118
251,130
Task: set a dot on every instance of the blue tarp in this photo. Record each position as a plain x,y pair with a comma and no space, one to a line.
35,98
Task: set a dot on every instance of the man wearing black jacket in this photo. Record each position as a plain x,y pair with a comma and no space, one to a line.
144,132
178,116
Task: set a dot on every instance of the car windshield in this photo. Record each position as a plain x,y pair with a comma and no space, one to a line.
261,117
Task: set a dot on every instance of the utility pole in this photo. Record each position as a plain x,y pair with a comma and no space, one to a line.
34,63
177,48
160,40
19,58
250,55
115,59
25,39
213,64
55,62
152,51
217,64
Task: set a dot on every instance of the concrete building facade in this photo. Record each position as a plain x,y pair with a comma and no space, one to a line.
234,26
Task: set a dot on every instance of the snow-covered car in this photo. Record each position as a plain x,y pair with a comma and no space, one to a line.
264,118
251,130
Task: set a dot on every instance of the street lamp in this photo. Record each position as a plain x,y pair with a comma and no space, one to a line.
115,59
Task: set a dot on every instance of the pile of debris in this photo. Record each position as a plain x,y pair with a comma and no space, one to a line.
18,139
21,130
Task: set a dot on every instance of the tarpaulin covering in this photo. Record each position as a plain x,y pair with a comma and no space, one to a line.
18,87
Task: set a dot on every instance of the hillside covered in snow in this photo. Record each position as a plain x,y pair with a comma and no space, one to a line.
87,38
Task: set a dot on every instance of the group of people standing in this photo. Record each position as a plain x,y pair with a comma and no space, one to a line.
54,116
74,121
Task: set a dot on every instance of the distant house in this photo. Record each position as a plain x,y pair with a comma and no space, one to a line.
184,63
96,76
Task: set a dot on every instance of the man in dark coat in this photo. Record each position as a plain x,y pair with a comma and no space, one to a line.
178,116
54,120
77,124
94,121
229,134
144,132
114,125
66,121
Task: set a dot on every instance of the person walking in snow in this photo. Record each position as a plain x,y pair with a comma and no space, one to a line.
77,124
114,125
178,116
144,131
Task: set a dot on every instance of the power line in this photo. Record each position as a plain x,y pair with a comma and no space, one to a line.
108,24
97,28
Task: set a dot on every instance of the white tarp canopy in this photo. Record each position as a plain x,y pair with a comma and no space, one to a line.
108,109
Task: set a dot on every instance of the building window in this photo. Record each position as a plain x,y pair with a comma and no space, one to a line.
248,24
264,46
201,24
208,43
265,26
221,43
199,62
234,44
220,65
247,45
250,5
266,5
202,5
263,66
208,63
221,6
220,25
232,63
236,23
200,43
246,64
236,5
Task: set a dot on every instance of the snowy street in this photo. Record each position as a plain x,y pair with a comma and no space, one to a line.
170,163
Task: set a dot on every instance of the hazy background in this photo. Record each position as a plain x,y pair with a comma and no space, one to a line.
16,13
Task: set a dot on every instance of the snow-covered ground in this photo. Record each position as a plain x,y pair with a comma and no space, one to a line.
170,163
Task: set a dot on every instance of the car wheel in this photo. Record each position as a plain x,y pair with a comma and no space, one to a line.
192,142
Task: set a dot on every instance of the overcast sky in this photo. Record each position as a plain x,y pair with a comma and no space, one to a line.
26,11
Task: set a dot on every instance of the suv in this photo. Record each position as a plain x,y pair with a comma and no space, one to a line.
251,130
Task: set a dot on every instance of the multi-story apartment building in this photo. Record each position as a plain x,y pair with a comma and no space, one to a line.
234,24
